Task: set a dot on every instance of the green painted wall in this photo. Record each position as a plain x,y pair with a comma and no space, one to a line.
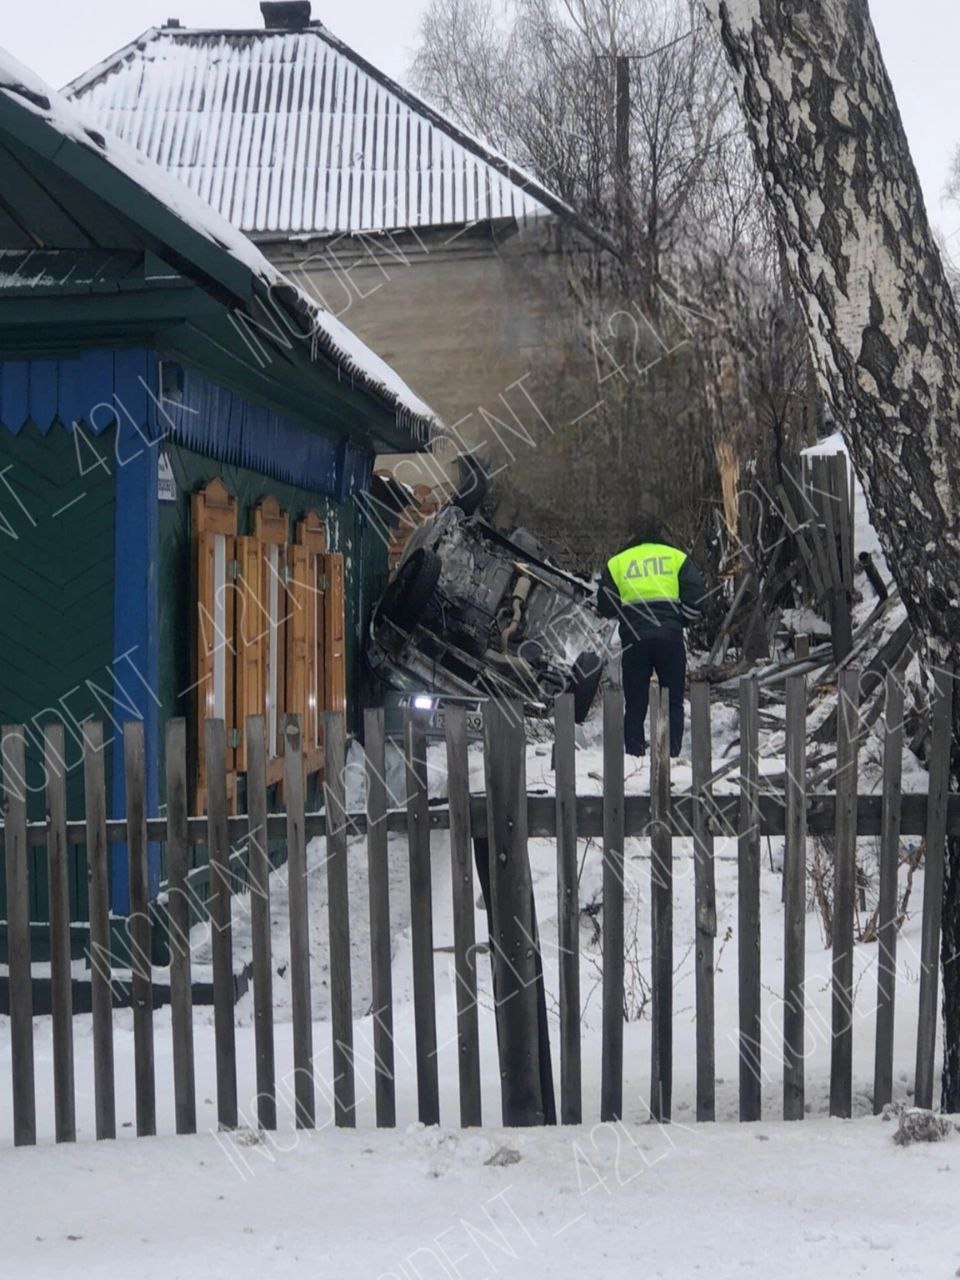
56,613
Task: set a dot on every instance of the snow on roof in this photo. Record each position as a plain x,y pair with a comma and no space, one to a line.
292,133
329,335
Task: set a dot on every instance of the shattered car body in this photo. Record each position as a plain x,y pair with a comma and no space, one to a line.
470,611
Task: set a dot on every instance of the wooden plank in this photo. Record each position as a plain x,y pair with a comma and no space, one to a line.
748,903
259,877
611,1071
61,979
221,924
513,929
844,883
464,935
178,918
302,1009
18,935
661,912
338,917
381,942
101,989
795,899
138,928
939,784
568,913
705,895
888,904
421,919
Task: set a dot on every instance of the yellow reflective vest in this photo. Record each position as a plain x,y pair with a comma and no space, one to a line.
647,573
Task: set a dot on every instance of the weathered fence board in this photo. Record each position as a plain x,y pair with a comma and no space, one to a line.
888,905
611,1069
381,942
795,900
939,766
464,937
421,919
61,980
139,929
18,936
748,904
304,1089
844,885
338,922
259,882
705,899
661,911
221,925
568,910
100,948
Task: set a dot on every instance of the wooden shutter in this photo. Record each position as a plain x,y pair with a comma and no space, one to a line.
301,681
335,633
213,535
252,632
271,528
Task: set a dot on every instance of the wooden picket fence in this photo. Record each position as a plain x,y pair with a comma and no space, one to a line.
496,825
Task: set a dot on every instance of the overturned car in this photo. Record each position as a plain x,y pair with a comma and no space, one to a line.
473,613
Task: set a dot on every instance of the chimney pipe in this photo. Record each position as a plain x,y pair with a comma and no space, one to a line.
285,15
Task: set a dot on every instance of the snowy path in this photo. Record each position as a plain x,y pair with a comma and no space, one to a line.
824,1199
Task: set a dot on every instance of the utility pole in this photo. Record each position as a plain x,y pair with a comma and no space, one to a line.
622,159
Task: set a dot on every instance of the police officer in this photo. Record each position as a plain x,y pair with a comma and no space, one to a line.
655,590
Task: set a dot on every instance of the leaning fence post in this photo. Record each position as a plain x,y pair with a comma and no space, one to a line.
887,907
138,928
61,980
705,895
844,884
178,929
611,1093
933,884
513,933
18,935
661,913
568,912
748,907
795,899
101,950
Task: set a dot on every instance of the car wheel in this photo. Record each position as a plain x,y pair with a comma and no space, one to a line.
587,671
411,590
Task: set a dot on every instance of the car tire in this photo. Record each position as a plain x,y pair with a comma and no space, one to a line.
587,671
411,590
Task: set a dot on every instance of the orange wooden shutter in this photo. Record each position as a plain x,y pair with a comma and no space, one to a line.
252,632
335,634
271,527
213,534
301,641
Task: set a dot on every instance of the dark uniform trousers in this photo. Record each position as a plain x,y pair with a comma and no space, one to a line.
662,652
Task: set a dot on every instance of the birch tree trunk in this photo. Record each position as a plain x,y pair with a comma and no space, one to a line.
824,123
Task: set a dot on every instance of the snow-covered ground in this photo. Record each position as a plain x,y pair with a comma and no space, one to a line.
819,1198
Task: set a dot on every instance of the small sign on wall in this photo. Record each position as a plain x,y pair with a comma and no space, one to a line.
166,485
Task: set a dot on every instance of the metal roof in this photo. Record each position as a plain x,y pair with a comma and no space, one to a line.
292,133
70,192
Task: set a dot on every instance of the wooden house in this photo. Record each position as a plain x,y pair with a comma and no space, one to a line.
185,443
447,258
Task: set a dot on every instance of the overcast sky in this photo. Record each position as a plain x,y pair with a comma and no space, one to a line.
920,39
